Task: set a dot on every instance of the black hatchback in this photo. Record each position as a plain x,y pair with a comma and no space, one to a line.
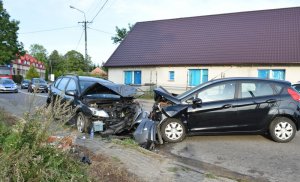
229,106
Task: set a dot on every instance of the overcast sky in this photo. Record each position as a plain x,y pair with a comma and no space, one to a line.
63,31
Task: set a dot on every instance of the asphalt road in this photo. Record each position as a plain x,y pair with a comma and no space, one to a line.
251,157
22,102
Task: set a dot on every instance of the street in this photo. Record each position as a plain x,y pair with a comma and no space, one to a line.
253,157
22,102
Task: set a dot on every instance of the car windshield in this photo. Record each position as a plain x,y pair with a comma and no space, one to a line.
25,81
6,81
37,81
187,93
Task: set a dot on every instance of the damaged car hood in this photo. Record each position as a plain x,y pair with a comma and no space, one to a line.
107,89
160,91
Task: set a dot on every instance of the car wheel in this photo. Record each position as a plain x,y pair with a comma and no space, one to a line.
173,130
282,130
82,123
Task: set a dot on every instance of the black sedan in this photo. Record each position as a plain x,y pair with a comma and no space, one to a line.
225,106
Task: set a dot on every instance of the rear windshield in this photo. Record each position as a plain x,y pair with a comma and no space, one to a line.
83,84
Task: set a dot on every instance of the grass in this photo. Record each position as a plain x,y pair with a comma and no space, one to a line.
173,169
147,95
210,176
25,154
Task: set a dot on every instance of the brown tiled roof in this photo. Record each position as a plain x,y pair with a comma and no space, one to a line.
256,37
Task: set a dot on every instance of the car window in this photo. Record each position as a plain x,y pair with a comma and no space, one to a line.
256,89
71,85
57,82
62,84
297,87
218,92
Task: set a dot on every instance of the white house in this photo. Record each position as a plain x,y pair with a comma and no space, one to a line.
184,52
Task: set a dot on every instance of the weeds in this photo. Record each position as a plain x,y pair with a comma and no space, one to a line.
25,154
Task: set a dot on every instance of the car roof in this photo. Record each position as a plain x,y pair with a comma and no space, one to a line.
213,81
88,78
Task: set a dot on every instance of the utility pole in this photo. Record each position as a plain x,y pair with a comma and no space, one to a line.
85,32
85,38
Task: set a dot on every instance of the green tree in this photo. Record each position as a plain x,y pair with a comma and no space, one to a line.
56,62
39,52
121,33
10,48
74,61
32,73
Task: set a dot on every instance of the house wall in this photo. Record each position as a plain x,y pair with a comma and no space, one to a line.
160,75
19,69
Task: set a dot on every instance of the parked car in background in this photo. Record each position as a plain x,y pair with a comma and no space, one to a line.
296,86
98,102
24,84
37,85
8,85
225,106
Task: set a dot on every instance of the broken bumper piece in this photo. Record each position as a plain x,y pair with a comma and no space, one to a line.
145,134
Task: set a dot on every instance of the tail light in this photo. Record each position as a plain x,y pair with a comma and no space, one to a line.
294,94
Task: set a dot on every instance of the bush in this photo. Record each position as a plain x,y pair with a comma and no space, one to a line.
25,154
17,78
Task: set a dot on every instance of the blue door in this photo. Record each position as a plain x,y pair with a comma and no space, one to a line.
128,77
137,77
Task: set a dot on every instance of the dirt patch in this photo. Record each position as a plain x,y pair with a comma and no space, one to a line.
106,169
7,119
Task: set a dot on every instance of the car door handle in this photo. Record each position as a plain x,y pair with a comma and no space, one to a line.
270,101
227,106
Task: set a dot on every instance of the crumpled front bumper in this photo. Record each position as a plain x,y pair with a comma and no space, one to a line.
147,134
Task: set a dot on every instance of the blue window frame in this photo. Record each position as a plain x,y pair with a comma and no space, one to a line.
197,76
273,74
132,77
264,73
171,75
278,74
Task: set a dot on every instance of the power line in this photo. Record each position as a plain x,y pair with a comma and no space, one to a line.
48,30
79,40
100,31
99,10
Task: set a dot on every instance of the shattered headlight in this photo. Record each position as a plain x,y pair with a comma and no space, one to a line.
99,113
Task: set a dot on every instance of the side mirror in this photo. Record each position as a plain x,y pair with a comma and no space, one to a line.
197,102
71,93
